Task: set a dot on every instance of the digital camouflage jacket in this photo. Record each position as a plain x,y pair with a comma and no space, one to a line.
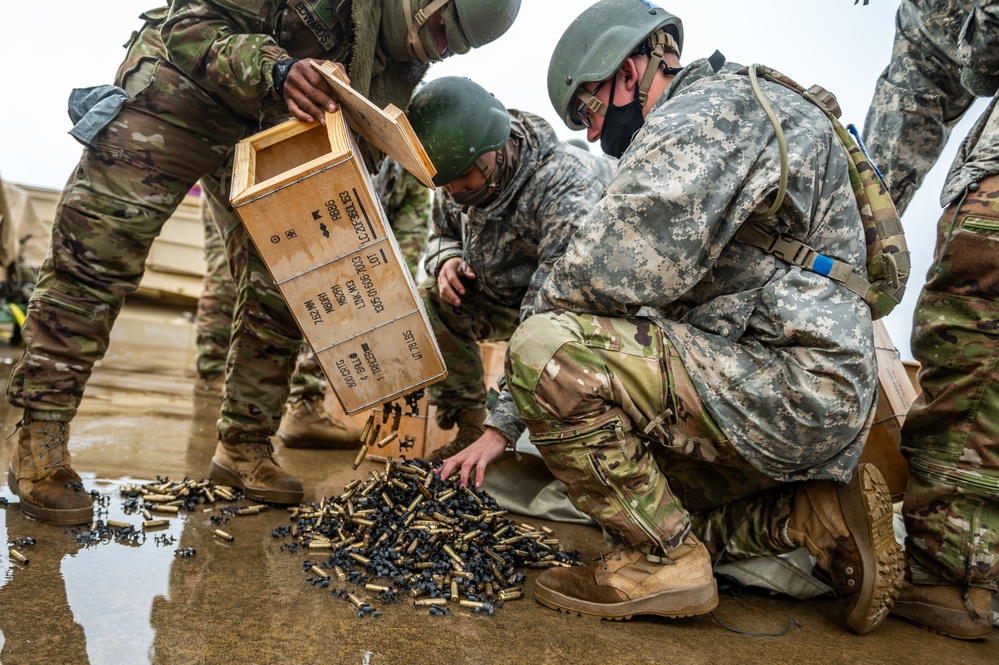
782,358
512,242
919,97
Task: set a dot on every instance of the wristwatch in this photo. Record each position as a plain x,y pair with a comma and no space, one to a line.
280,73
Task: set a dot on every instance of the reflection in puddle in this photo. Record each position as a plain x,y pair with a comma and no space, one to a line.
91,599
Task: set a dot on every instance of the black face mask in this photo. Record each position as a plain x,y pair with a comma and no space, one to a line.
620,125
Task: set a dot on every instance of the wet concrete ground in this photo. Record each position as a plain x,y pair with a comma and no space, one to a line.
249,601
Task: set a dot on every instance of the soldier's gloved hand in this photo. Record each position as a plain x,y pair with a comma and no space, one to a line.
475,458
449,279
305,91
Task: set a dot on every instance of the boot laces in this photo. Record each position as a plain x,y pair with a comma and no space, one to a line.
53,446
615,552
262,450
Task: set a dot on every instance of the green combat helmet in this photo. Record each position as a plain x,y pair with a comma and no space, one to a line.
458,121
599,40
468,24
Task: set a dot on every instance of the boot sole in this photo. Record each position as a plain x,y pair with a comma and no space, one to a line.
867,501
53,516
672,604
222,475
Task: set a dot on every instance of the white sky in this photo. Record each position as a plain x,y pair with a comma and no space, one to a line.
48,49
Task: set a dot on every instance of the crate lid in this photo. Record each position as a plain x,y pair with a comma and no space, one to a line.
387,129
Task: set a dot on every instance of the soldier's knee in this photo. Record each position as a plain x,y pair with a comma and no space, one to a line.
546,355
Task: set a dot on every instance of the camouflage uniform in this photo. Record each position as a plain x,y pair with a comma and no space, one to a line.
199,80
511,243
406,203
951,505
695,376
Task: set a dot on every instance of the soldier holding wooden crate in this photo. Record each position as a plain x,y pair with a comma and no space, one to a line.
198,77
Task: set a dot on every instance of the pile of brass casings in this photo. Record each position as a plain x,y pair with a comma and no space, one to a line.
429,539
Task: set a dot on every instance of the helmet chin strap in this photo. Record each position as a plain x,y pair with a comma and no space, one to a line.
657,45
413,44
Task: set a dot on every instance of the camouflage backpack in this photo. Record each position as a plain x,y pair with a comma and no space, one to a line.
887,255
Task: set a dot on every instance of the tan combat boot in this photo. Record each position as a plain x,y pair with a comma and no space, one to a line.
847,527
251,468
946,610
306,424
471,426
40,474
625,582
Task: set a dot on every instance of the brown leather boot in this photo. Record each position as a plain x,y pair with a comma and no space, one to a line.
947,610
306,424
625,582
847,527
251,468
40,474
471,426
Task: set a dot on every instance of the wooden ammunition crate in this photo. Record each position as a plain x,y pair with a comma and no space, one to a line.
304,194
419,434
896,393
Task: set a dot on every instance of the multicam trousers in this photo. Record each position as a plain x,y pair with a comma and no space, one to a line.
615,415
458,331
213,324
951,434
167,136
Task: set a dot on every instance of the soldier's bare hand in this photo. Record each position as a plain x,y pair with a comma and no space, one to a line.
307,93
476,457
449,279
